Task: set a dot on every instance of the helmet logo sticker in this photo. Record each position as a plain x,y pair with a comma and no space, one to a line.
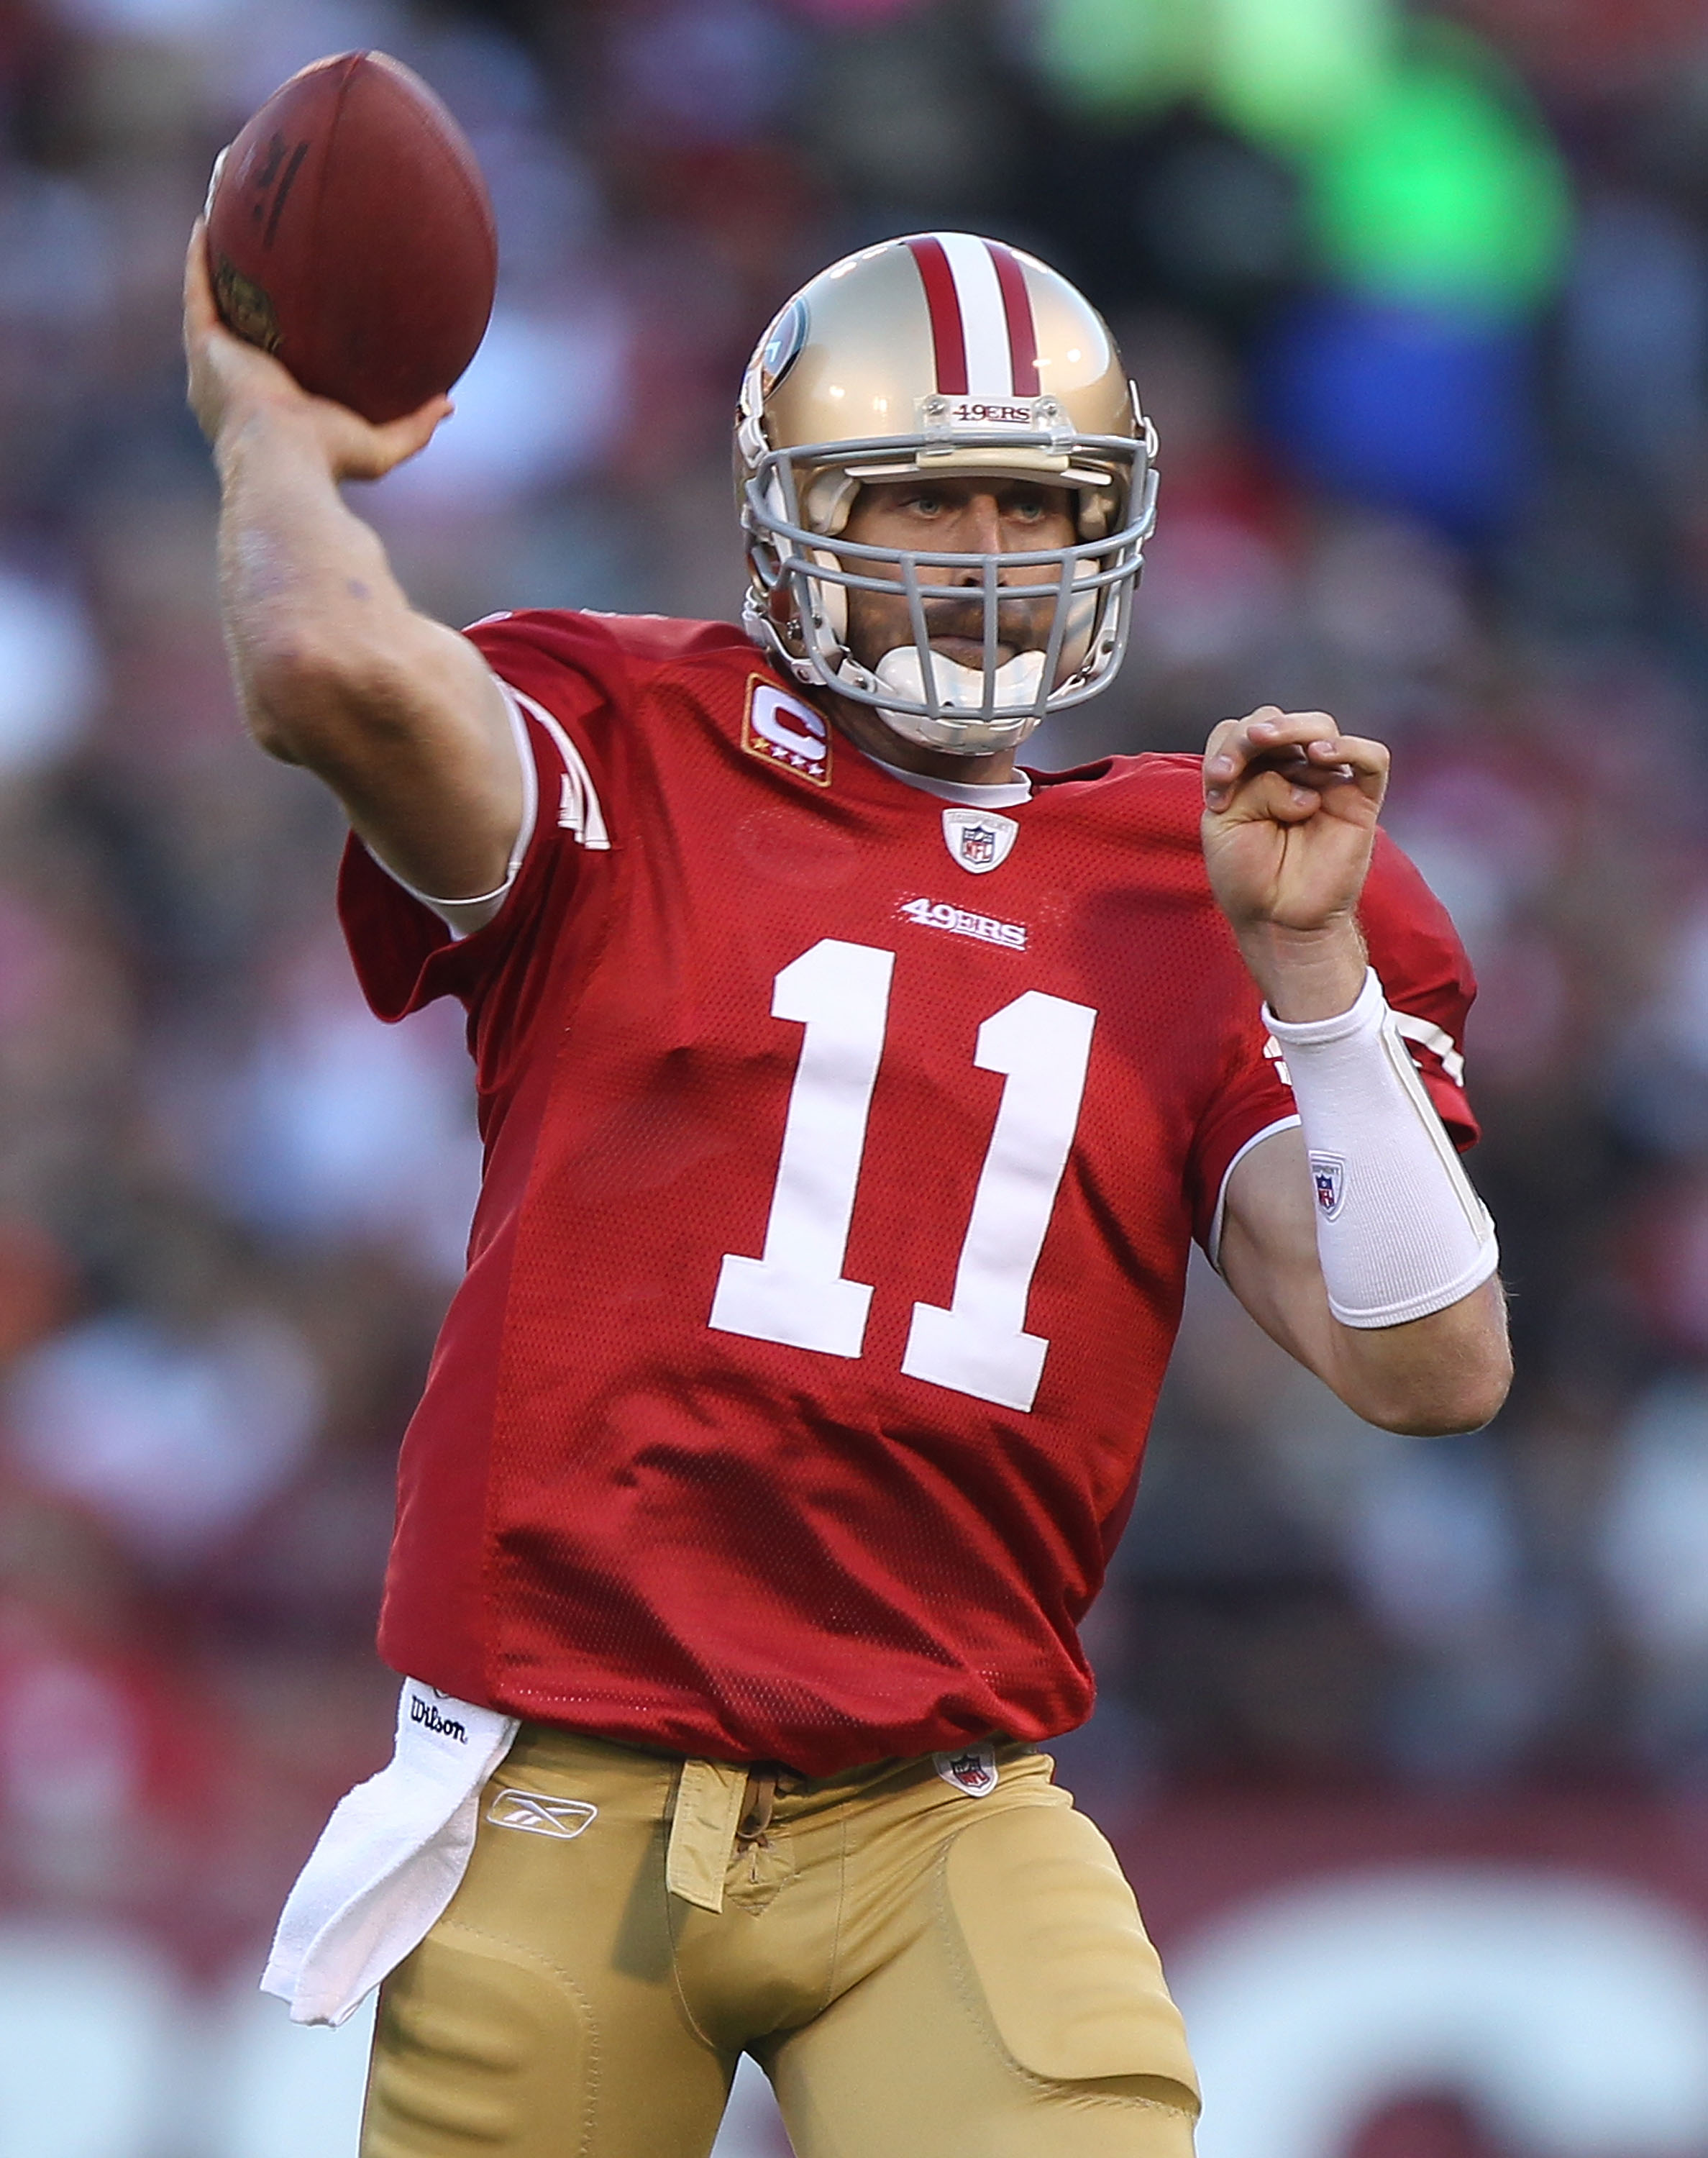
786,730
782,346
979,839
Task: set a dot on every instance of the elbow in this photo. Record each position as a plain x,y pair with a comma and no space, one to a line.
303,699
1443,1404
1432,1377
269,731
290,686
1445,1419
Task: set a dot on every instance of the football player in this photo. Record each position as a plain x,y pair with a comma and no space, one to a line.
851,1096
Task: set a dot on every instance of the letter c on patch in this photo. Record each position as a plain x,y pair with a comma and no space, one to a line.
767,705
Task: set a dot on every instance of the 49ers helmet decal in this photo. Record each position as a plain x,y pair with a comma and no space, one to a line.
940,356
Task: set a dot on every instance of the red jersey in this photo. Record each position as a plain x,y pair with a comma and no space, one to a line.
844,1152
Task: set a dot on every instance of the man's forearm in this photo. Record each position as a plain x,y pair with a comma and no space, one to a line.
308,596
335,670
1401,1234
1448,1372
1305,974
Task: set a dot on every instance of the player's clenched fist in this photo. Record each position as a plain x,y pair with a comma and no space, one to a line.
1290,808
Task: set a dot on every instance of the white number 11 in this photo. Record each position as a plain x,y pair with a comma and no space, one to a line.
796,1292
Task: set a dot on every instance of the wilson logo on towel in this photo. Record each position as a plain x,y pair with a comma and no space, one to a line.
447,1726
540,1815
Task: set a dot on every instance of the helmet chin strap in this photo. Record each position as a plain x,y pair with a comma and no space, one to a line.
962,690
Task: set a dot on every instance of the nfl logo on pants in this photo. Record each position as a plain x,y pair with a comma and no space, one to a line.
974,1769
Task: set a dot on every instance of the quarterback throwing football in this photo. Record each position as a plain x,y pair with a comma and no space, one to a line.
852,1097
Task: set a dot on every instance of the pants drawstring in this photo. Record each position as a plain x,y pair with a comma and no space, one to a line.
765,1779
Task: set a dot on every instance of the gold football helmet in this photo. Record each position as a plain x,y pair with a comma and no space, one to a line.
941,354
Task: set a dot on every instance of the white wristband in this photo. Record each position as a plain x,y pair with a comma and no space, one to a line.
1399,1232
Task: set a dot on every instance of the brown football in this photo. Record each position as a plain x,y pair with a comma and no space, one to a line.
350,233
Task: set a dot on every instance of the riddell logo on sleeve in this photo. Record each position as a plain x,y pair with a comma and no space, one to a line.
783,730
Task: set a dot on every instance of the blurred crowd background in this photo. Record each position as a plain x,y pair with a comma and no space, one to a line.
1418,297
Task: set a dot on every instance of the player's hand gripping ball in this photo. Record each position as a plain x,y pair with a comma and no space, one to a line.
350,235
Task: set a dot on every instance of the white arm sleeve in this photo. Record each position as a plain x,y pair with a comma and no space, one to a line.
1400,1231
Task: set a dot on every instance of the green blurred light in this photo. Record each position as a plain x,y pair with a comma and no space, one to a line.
1283,69
1442,189
1112,58
1429,179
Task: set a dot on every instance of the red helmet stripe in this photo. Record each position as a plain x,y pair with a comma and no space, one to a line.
1017,306
948,336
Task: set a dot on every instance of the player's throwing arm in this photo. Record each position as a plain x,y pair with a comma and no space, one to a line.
334,669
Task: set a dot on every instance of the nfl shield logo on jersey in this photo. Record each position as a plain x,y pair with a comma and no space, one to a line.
1328,1181
972,1770
979,839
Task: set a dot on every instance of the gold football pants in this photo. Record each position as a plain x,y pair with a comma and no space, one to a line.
922,1973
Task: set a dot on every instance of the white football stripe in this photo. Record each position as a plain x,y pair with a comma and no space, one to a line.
581,813
1428,1036
983,322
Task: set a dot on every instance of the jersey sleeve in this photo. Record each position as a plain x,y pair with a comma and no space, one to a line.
565,676
1427,980
1426,977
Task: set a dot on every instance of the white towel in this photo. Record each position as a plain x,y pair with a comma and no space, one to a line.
389,1859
